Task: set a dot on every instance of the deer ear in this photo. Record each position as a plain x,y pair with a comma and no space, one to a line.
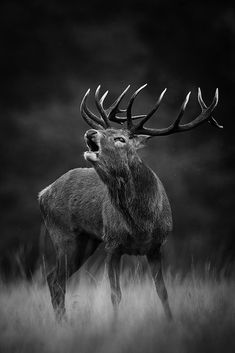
140,140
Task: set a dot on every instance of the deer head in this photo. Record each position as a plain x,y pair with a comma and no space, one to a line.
106,144
112,152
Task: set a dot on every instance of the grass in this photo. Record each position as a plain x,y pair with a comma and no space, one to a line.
203,309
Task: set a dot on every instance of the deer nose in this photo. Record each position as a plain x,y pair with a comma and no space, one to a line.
90,133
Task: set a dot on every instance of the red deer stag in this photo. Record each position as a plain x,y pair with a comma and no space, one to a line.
119,201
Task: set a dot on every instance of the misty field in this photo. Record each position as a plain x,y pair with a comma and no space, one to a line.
203,308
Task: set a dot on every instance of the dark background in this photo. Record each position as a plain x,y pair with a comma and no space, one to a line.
53,51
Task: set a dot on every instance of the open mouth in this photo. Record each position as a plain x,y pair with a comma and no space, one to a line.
93,149
92,145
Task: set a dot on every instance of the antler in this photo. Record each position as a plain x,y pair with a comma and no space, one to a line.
110,114
107,115
204,116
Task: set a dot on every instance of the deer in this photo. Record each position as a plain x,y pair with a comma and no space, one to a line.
118,201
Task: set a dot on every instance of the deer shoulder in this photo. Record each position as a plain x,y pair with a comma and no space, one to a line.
75,201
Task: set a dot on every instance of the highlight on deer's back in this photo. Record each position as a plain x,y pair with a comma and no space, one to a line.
119,201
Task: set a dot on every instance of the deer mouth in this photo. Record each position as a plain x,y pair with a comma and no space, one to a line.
93,149
92,145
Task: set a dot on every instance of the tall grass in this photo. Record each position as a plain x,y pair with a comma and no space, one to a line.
203,309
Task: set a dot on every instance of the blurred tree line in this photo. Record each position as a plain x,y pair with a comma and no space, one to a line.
51,52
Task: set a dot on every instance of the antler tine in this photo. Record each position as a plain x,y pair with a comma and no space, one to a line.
182,110
203,106
88,116
100,106
212,121
114,108
200,100
129,108
149,115
121,120
103,98
204,116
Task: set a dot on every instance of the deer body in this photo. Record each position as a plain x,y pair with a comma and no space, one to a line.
132,214
119,201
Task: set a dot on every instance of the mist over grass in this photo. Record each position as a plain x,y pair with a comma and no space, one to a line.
203,309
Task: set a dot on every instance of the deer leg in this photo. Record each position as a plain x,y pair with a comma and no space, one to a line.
56,280
70,257
156,271
113,266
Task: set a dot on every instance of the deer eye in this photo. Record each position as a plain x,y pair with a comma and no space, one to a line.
121,139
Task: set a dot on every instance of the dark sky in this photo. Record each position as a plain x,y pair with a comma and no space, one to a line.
52,51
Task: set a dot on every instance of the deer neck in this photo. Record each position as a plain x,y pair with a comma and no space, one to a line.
133,191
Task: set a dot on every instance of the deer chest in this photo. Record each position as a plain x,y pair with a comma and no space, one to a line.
140,244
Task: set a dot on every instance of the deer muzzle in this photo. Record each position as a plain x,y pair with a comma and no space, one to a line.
92,139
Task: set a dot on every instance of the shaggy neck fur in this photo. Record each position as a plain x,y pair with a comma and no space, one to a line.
133,191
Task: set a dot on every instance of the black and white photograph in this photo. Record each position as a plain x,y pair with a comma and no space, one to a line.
117,176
